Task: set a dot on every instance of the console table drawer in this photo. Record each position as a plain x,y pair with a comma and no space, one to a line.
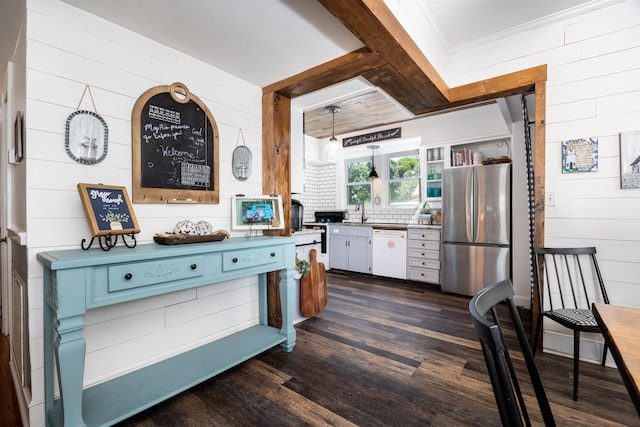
136,275
236,260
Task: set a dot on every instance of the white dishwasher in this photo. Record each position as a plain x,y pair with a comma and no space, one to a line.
389,253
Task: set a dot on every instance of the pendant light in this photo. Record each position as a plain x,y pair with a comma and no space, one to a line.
333,109
373,174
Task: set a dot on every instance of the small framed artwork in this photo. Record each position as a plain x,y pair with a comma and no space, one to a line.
630,159
256,213
580,155
108,209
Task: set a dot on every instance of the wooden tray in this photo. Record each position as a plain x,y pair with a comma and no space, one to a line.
181,239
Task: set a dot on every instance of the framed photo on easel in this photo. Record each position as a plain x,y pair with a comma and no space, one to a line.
108,209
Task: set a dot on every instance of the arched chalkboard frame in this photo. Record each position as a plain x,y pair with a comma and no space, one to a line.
174,148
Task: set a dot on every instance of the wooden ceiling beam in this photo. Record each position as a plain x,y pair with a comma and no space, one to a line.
346,67
522,81
378,29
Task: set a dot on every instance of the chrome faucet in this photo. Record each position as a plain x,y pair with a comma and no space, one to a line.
360,207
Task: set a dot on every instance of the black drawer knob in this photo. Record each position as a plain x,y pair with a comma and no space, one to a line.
193,266
273,254
128,276
422,253
235,260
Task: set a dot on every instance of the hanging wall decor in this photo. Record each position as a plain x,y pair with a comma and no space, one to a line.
174,148
580,155
630,159
86,134
241,160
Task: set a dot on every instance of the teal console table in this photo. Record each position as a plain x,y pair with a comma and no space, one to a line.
78,280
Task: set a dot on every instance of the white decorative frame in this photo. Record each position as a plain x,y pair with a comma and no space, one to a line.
256,213
630,159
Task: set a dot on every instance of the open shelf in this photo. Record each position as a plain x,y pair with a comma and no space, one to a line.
120,398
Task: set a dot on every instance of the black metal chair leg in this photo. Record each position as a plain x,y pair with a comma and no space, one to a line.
576,362
537,335
604,354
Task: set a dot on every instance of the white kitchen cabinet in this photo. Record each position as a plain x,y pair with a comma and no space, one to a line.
424,255
350,248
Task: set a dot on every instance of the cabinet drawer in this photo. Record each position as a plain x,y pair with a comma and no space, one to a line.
236,260
424,234
424,253
424,244
129,276
423,275
424,263
360,231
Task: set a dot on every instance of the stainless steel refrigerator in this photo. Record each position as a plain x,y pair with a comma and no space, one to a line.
476,227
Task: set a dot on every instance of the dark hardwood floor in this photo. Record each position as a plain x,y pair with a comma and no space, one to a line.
9,411
385,353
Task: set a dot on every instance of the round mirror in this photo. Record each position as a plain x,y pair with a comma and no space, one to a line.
86,137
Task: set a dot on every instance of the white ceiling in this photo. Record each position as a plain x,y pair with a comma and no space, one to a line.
265,41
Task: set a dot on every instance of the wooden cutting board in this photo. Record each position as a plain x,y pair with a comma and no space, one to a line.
313,288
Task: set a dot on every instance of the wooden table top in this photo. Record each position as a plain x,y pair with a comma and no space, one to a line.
621,329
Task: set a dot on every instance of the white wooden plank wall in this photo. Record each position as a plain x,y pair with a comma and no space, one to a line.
66,50
592,91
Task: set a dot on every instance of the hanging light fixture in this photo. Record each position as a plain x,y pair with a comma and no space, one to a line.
333,109
373,174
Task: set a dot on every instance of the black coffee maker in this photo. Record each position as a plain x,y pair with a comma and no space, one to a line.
296,215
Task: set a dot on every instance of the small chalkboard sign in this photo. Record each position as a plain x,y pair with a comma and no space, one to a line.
174,148
108,209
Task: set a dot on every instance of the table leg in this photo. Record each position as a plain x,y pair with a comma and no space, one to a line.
70,353
286,297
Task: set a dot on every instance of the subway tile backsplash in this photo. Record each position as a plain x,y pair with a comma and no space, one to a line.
320,194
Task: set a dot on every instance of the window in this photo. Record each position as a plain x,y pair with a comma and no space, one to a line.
358,182
404,179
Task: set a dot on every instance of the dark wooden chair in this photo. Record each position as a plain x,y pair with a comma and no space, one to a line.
506,388
569,281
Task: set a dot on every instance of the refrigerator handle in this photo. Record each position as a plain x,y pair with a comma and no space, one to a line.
474,205
471,196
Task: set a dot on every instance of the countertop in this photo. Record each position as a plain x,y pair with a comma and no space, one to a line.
379,225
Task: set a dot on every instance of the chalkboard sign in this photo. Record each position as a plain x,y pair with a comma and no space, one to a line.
174,148
108,209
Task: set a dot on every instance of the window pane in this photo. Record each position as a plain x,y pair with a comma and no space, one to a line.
359,193
404,167
407,191
358,171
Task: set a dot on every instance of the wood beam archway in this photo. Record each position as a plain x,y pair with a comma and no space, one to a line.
392,61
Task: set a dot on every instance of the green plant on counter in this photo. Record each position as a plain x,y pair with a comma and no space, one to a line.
303,267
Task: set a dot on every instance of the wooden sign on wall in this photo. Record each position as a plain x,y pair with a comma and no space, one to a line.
372,137
174,148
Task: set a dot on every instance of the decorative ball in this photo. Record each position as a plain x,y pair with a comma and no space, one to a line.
186,227
203,228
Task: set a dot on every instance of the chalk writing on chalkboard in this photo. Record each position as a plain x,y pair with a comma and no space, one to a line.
108,209
175,148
